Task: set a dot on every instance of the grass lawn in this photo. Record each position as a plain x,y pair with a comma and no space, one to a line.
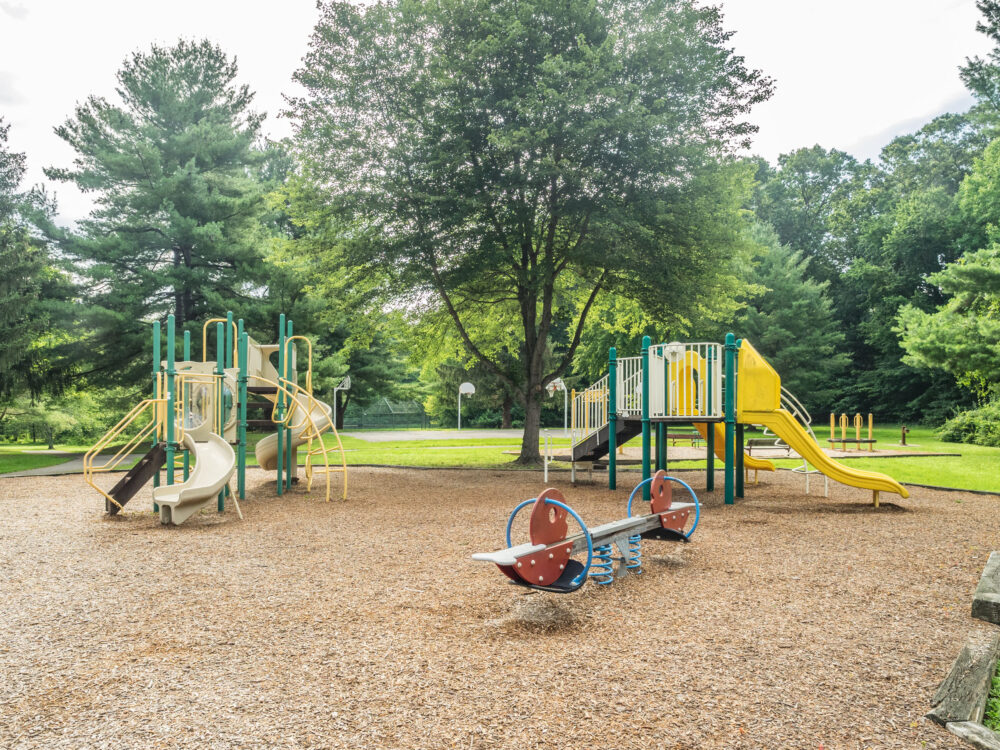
975,469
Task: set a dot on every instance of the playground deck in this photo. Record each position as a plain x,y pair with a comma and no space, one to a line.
788,622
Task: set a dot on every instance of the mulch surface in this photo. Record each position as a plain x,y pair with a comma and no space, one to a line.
790,621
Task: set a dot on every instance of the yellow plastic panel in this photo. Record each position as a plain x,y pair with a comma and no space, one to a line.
758,386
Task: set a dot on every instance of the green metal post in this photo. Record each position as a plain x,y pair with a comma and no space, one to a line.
290,467
279,409
171,373
220,362
646,341
612,418
229,339
661,446
739,460
241,479
730,417
184,407
157,359
710,426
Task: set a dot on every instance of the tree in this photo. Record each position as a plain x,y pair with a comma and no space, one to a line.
791,322
494,158
799,199
174,169
29,286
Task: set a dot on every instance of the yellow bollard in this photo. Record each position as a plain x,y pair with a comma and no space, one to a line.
871,442
833,429
857,429
843,432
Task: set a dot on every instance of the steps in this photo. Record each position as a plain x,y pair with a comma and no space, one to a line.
595,445
137,476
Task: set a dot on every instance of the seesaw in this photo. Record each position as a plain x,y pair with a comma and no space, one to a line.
545,562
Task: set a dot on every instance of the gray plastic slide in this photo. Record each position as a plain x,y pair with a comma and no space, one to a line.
215,462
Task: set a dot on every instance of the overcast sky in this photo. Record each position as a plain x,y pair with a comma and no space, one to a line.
849,75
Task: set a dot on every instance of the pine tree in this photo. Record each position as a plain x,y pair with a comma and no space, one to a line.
174,168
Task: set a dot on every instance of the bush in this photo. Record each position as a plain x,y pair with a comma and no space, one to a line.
980,426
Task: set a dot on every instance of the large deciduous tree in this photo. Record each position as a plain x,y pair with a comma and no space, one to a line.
174,171
521,158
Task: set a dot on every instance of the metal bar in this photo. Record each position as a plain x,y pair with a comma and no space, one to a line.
645,416
171,373
157,359
280,405
184,404
241,481
730,417
290,467
612,418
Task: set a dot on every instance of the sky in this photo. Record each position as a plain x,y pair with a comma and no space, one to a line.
850,75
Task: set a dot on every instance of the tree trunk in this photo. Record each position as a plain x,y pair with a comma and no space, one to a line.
50,435
341,408
508,402
532,420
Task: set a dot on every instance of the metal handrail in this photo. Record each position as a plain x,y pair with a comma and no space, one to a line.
89,468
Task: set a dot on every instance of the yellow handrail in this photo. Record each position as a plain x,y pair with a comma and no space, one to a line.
89,468
204,338
309,369
311,432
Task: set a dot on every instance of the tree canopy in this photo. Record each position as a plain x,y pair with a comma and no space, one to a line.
519,159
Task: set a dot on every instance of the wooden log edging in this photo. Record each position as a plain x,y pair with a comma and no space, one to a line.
986,601
960,701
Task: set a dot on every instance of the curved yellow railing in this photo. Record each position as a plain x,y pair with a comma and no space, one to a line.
295,394
204,338
157,408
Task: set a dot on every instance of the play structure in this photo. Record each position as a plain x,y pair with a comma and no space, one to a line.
720,389
545,561
199,412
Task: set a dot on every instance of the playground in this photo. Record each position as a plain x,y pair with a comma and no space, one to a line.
787,621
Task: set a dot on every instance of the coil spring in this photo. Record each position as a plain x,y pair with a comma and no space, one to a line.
602,568
634,560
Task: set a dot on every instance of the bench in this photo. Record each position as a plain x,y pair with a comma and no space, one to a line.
771,442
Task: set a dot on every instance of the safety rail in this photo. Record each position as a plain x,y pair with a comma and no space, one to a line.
157,407
629,387
589,411
316,432
190,410
310,430
685,380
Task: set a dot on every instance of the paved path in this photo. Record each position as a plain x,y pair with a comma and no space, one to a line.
385,436
73,466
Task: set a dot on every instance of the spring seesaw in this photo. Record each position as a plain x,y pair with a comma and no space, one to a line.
546,563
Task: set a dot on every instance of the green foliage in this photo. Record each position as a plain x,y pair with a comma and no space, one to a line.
962,336
799,198
992,716
979,426
790,321
31,290
495,158
174,169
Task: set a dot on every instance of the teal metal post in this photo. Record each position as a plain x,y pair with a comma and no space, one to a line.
645,415
279,409
710,427
739,460
229,339
220,362
661,427
184,407
612,418
157,359
171,373
241,429
730,417
290,467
